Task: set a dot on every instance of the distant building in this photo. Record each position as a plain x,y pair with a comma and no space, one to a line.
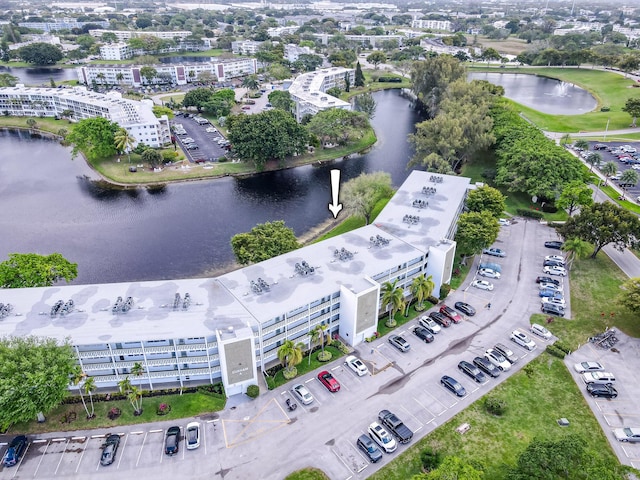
116,51
308,90
279,31
136,117
444,25
124,35
292,52
245,47
61,24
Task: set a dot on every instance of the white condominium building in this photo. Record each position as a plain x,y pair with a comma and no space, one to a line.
136,117
443,25
124,35
245,47
116,51
229,328
308,90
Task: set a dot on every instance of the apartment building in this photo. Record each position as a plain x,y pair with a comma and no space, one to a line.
116,51
292,51
245,47
442,25
308,90
60,24
229,328
136,117
124,35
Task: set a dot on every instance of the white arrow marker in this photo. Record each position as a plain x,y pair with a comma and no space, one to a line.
335,207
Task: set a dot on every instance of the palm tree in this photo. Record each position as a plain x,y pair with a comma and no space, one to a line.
101,77
89,387
290,354
594,158
394,296
566,138
583,144
629,178
421,287
119,77
137,370
78,376
250,82
124,141
133,393
609,169
575,248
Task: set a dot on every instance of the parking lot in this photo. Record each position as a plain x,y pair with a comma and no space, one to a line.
205,136
624,362
607,156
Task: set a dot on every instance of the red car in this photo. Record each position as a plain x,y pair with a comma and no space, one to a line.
451,313
329,381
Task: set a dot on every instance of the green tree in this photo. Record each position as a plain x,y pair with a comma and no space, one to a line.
197,97
137,370
594,158
251,82
290,354
628,178
582,144
421,288
31,123
486,198
35,375
89,386
609,169
361,194
628,63
365,103
109,37
631,294
8,80
476,230
152,157
336,125
319,333
575,194
94,137
281,100
148,73
632,107
124,141
431,77
393,300
78,376
32,270
575,249
453,468
376,58
40,53
359,76
133,394
602,224
264,241
269,135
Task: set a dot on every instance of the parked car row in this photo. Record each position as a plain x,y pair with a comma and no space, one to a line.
551,290
384,436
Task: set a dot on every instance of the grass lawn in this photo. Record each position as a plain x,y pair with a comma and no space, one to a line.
511,45
353,222
609,89
307,474
534,403
182,406
303,367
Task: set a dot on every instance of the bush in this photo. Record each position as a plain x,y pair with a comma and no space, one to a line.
445,288
390,79
433,300
222,159
562,346
523,212
529,370
605,109
556,352
495,406
324,356
169,156
549,208
253,391
340,346
430,458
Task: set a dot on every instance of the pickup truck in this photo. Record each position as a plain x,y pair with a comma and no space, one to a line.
395,426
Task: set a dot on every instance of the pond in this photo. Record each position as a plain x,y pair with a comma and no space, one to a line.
40,76
546,95
54,204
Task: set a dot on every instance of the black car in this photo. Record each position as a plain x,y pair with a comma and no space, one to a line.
109,450
452,384
472,371
557,244
423,334
369,448
172,441
602,390
553,263
486,366
465,308
440,319
15,450
553,309
547,280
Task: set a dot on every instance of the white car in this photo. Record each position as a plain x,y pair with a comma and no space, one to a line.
303,394
482,285
561,271
192,435
429,324
487,272
188,140
550,286
211,130
523,340
559,301
357,365
627,434
497,359
379,435
598,377
540,331
503,222
588,367
555,258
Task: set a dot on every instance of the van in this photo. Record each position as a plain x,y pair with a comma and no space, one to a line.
598,377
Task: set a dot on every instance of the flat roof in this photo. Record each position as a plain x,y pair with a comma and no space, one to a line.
435,218
308,87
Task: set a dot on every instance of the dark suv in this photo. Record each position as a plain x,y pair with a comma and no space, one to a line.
369,448
486,366
472,371
440,319
14,452
172,441
553,309
109,450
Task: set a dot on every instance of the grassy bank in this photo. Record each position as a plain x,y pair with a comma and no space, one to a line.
534,402
610,89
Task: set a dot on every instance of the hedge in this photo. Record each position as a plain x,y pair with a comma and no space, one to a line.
524,212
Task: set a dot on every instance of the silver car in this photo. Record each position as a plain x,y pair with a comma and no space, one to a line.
523,340
302,393
627,434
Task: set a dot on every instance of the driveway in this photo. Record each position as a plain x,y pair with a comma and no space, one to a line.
263,436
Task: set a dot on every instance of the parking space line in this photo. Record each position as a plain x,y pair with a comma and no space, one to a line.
156,431
82,454
204,439
427,410
98,436
438,401
78,438
41,458
21,460
162,451
61,457
124,445
414,417
343,462
38,441
141,447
